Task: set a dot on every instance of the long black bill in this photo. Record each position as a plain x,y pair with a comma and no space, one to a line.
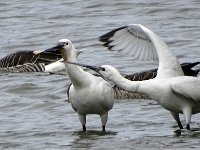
51,51
94,68
55,49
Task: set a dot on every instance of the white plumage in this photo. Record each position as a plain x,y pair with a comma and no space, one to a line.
172,90
55,66
88,94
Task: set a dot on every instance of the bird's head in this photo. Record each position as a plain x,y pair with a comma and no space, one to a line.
108,72
66,48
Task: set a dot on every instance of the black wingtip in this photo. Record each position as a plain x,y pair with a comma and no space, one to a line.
190,65
187,68
107,36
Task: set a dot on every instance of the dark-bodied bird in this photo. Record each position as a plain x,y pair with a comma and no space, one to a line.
31,61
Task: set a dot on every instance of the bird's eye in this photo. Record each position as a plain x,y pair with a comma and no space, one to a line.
103,69
66,43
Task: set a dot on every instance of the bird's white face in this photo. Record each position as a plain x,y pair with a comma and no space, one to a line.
108,72
67,46
64,47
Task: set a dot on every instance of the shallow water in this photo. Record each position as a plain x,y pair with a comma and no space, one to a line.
34,112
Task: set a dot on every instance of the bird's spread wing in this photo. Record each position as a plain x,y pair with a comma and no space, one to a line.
146,75
18,58
130,40
121,94
150,74
139,42
188,87
27,67
48,58
23,57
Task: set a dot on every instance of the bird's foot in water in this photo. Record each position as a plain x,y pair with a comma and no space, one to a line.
84,128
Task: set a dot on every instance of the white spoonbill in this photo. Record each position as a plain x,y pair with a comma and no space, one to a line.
170,88
88,94
121,94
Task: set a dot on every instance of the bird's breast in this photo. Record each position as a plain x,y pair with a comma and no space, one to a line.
91,99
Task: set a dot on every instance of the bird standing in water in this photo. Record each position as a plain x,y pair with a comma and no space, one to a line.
170,88
88,94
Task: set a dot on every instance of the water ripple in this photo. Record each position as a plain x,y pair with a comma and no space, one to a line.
34,113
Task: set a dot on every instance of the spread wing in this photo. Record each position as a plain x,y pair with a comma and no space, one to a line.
27,67
23,57
141,43
130,40
27,61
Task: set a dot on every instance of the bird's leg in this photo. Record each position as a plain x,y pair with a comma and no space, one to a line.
104,118
180,125
188,127
176,117
103,128
187,111
84,127
82,119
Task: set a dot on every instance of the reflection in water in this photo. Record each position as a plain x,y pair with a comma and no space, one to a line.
88,138
178,132
193,133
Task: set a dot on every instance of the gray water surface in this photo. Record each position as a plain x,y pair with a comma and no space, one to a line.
34,112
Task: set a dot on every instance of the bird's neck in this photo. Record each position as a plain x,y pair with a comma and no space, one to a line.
170,69
147,87
72,56
77,75
127,84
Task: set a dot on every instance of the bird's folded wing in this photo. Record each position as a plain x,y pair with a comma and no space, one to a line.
188,87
